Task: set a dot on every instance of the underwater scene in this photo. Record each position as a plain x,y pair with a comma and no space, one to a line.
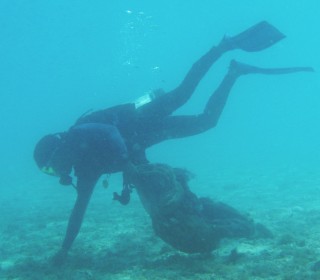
160,140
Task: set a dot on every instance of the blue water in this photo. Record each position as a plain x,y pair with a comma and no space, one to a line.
60,58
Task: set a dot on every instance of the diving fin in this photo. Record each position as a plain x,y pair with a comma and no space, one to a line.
243,69
256,38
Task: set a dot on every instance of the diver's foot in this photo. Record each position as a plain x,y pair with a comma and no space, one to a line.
226,44
238,68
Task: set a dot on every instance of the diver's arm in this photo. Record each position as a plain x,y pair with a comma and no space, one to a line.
85,188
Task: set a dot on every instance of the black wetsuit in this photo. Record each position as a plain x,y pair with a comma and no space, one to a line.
153,122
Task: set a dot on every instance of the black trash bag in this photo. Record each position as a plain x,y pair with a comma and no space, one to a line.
181,219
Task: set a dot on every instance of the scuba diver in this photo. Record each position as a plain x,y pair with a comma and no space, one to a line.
105,141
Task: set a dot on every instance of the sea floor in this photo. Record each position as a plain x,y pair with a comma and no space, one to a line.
117,242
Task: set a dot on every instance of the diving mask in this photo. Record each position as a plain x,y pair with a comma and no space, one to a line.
49,171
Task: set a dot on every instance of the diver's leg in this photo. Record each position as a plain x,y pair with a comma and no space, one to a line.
183,126
256,38
218,99
167,103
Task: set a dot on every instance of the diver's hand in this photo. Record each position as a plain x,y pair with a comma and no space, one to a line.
60,257
124,198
